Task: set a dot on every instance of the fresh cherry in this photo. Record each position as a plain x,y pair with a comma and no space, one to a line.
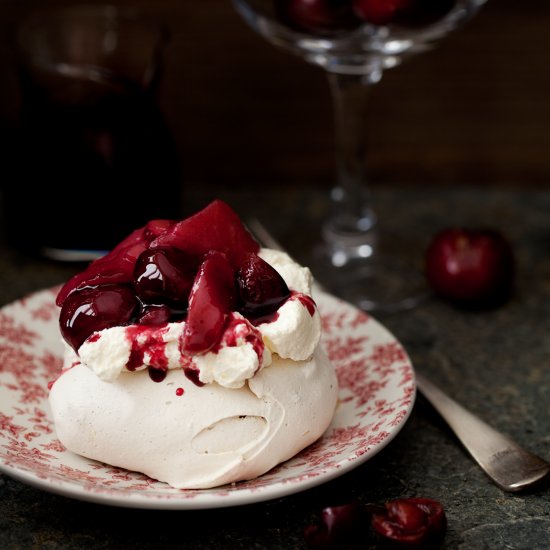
379,12
165,276
412,523
316,15
261,289
96,308
338,528
474,267
212,298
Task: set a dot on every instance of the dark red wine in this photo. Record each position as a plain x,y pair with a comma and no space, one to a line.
95,160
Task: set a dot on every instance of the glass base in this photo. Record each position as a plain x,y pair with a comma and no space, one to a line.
378,284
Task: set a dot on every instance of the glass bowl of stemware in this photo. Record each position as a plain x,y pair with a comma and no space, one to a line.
355,42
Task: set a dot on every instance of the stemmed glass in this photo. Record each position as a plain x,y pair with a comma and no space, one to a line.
355,41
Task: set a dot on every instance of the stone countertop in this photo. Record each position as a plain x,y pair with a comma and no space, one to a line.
496,362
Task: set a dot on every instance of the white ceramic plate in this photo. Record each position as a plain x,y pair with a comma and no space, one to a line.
377,391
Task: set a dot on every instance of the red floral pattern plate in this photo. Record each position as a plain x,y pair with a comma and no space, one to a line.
377,391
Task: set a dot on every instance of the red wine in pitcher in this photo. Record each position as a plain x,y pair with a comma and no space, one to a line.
96,160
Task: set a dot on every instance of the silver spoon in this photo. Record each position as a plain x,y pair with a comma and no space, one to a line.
510,466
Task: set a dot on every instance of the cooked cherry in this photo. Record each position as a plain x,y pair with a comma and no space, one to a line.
262,290
411,523
118,265
316,15
215,227
96,308
155,314
212,298
165,275
155,228
115,267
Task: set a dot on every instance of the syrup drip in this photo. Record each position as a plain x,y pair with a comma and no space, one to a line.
145,340
307,301
240,330
193,375
267,318
157,375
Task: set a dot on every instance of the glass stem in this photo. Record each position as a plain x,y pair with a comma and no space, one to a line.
349,228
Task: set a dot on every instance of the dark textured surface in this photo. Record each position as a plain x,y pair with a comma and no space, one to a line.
496,362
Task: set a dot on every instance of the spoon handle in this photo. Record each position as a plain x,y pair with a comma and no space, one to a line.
510,466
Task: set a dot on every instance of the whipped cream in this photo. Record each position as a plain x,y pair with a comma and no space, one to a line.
241,354
244,350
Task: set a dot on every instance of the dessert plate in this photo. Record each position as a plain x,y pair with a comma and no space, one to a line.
377,391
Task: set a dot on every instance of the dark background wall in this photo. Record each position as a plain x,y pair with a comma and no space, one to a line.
476,110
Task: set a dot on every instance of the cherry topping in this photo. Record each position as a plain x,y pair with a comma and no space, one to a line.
154,228
316,15
411,523
96,308
165,275
118,265
155,276
212,298
261,289
155,314
215,227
